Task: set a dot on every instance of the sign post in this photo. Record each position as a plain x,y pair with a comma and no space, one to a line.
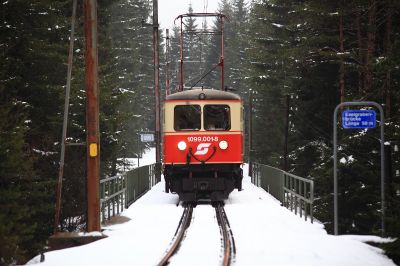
358,119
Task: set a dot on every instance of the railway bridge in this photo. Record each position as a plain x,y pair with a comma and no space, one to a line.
294,192
271,188
143,225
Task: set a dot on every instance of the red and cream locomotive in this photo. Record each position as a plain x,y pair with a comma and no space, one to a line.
202,135
203,144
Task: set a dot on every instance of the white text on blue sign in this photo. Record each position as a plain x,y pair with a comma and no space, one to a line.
359,119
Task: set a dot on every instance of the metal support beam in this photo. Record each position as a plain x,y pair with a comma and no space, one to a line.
181,58
92,116
167,60
221,63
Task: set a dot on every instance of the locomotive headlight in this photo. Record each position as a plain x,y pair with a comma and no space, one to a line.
182,145
223,145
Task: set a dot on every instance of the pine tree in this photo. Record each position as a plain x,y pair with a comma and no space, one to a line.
32,75
174,59
15,169
273,71
235,55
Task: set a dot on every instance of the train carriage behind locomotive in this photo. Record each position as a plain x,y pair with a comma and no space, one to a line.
203,144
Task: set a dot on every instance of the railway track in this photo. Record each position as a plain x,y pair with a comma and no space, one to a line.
180,232
228,243
227,236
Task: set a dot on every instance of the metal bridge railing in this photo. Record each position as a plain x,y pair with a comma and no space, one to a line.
120,191
112,196
296,193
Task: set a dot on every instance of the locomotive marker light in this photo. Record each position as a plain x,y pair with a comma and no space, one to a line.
182,145
223,145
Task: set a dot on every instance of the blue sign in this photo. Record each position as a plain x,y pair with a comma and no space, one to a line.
146,137
359,119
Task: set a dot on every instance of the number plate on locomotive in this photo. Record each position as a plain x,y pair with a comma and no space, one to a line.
202,138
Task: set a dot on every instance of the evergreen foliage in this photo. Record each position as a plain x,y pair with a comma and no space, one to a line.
126,99
31,78
322,53
318,52
34,41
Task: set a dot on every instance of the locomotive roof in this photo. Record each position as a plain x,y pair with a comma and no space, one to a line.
209,93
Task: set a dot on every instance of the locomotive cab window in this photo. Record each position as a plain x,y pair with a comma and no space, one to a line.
217,117
187,117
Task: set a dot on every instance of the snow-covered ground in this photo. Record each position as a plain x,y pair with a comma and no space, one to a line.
265,234
148,157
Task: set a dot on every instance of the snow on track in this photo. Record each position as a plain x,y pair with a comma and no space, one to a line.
204,234
265,234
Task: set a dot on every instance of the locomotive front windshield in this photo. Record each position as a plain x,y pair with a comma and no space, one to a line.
217,117
187,117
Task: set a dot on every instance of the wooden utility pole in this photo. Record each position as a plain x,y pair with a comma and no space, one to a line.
156,88
92,116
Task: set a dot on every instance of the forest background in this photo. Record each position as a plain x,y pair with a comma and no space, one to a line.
304,56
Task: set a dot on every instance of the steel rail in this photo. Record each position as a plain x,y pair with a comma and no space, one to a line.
228,240
184,224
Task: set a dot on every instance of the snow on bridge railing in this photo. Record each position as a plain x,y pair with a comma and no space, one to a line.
120,191
296,193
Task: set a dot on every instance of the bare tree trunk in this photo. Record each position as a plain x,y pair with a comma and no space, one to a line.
341,41
388,48
360,54
370,45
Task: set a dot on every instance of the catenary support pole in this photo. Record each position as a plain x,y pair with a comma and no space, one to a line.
221,63
167,60
251,133
156,89
181,57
